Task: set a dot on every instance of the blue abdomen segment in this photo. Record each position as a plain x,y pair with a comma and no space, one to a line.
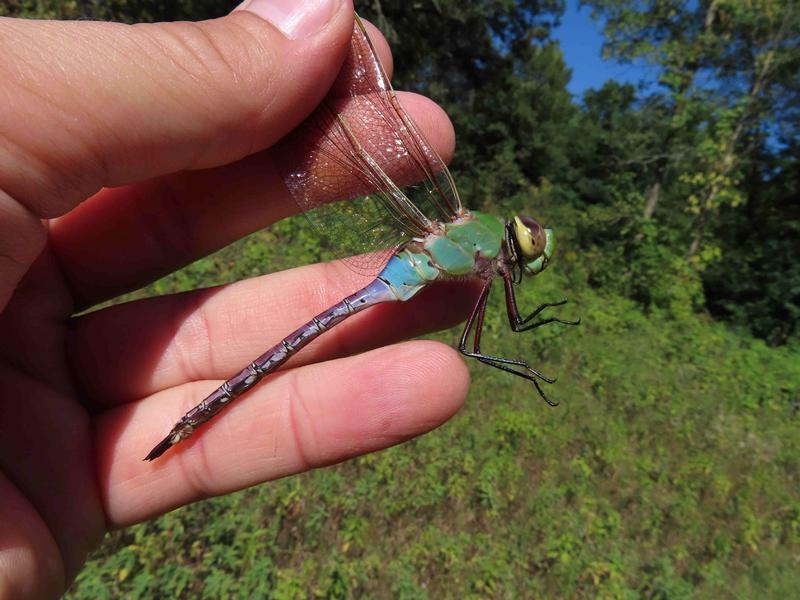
408,272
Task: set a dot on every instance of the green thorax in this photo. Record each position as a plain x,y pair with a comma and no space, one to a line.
450,253
455,252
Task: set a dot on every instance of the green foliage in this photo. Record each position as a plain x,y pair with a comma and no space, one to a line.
764,297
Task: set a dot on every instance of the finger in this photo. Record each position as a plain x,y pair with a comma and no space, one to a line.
131,350
29,563
22,238
156,227
295,421
45,446
90,104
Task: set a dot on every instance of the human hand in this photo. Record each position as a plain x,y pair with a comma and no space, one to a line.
128,152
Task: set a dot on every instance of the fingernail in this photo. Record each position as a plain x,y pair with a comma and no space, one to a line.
297,19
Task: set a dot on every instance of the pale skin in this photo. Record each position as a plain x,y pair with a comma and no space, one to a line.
178,119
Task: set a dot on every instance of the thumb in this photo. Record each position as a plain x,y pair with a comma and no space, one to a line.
90,104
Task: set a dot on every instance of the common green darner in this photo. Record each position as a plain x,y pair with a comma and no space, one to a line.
425,234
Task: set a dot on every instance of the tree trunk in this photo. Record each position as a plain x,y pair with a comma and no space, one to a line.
653,195
729,159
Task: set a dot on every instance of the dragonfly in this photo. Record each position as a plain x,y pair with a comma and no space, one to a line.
411,235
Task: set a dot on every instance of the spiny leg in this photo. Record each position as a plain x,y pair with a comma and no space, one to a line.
518,324
476,319
485,358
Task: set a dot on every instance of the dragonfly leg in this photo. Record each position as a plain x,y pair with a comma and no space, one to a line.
520,324
504,364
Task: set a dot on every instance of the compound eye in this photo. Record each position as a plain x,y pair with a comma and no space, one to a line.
530,236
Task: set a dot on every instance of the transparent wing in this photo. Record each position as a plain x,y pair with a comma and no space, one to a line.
360,144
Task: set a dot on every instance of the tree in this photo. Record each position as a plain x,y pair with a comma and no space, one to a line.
714,178
726,66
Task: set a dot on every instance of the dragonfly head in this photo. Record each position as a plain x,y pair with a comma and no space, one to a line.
535,244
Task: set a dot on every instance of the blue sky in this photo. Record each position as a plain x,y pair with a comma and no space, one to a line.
581,40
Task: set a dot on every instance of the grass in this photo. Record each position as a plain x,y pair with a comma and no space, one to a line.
670,470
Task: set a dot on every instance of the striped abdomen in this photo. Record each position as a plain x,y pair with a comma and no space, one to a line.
375,293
